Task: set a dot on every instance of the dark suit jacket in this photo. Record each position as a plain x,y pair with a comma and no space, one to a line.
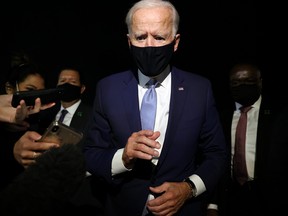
194,142
269,143
277,160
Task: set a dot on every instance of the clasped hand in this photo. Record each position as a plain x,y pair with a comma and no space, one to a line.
141,144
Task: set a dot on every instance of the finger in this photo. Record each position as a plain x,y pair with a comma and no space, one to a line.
36,107
21,112
148,150
27,163
46,106
35,155
44,146
148,142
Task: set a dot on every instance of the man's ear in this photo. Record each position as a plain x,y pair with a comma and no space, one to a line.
83,87
129,41
177,40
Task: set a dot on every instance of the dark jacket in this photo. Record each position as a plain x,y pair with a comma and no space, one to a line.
193,129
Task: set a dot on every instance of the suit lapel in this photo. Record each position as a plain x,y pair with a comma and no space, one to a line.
177,101
130,103
265,120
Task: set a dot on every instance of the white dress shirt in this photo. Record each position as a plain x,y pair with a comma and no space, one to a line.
71,110
163,102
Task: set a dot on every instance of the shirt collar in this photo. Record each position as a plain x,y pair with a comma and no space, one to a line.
72,109
255,105
144,79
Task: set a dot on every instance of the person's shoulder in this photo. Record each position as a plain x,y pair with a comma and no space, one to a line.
84,106
274,102
117,77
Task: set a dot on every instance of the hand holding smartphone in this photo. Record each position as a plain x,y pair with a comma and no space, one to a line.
60,133
46,96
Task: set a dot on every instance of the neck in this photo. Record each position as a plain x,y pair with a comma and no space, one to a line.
68,104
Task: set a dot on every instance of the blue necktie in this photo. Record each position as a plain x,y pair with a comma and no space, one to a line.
63,113
148,106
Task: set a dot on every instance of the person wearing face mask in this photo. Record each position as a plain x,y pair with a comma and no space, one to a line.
25,76
77,117
254,196
164,168
70,80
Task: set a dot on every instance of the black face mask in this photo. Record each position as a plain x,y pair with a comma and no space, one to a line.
70,92
246,94
152,60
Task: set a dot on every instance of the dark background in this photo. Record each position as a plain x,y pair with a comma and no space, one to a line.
214,35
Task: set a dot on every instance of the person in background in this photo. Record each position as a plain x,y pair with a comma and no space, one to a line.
257,195
23,77
79,113
70,79
26,151
165,170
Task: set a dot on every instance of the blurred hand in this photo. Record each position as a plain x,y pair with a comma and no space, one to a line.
18,115
142,145
23,111
26,149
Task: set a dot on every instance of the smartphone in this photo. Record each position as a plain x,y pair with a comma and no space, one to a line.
60,133
46,96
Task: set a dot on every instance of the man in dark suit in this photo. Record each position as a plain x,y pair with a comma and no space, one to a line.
78,116
79,113
165,170
257,195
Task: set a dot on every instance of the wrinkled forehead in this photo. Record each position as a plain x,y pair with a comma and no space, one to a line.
146,18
